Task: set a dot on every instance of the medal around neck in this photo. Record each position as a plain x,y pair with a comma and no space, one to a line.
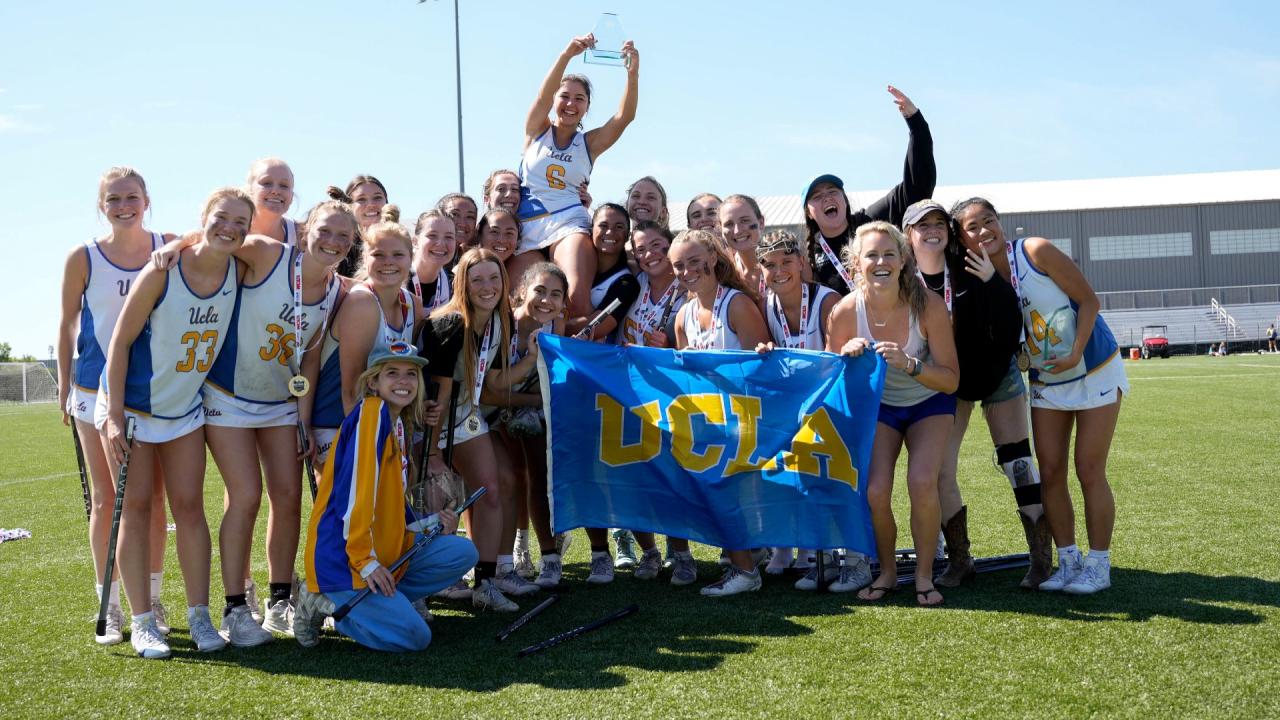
1023,360
298,386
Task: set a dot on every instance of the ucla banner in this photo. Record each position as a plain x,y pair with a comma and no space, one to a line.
729,448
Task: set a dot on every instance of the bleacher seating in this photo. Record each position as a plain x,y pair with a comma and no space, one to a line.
1189,326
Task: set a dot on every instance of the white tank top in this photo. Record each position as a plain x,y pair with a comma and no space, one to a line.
290,231
720,336
550,175
646,313
809,337
100,306
170,359
900,389
387,333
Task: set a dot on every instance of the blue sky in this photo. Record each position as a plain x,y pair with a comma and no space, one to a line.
747,97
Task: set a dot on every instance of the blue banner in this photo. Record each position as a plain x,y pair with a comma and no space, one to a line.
730,448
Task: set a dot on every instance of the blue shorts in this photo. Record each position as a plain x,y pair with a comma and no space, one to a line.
902,417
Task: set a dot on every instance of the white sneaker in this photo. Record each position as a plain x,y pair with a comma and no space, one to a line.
524,563
1066,574
147,640
240,630
115,627
309,616
487,595
161,615
649,566
202,633
780,561
1095,576
251,599
279,617
549,575
563,541
457,591
830,572
626,549
424,612
510,583
601,569
684,569
733,581
854,575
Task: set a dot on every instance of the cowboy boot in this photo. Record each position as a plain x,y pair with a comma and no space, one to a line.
1039,549
959,561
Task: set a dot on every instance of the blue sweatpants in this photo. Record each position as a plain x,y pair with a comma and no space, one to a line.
391,623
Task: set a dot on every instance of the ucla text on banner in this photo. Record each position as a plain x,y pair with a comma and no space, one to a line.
729,448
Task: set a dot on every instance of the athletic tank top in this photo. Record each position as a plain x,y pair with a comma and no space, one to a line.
550,175
810,337
290,232
388,333
647,313
1050,319
176,349
720,336
326,411
900,389
100,306
440,293
260,356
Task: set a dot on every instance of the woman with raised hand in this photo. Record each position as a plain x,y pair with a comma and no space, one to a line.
984,313
170,330
270,184
1077,381
797,314
703,213
367,196
741,224
435,238
892,314
557,160
830,222
651,320
96,279
720,315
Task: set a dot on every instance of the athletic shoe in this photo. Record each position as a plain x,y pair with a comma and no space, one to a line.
240,630
804,561
457,591
251,599
424,612
201,628
510,582
147,641
563,541
549,576
733,581
855,574
487,595
669,555
684,570
780,561
601,569
279,617
829,574
524,559
161,615
1068,569
626,549
1095,576
310,614
115,627
649,566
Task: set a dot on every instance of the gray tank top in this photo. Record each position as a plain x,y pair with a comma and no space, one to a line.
900,389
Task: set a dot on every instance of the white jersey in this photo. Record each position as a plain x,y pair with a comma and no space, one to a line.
388,333
550,175
260,354
719,336
100,306
290,232
169,360
647,312
811,336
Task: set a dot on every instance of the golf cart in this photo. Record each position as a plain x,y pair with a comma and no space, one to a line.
1155,341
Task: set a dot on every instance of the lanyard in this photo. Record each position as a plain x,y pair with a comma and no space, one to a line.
804,317
441,295
706,337
482,366
831,258
404,455
300,348
651,310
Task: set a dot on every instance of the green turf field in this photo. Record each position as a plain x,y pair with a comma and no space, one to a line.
1190,628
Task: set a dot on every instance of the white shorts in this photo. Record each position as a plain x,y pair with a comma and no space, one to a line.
465,428
324,441
226,411
547,230
80,403
1102,386
151,429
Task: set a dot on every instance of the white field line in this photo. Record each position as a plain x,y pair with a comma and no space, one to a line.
55,476
1202,377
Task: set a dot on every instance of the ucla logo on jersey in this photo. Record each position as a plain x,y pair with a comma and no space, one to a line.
561,155
124,285
286,315
203,317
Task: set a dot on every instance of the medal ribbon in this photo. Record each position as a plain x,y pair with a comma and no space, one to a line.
834,260
706,337
804,318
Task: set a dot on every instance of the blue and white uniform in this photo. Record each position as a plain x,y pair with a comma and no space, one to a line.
719,336
646,312
809,337
248,385
100,304
171,357
1049,317
290,232
550,208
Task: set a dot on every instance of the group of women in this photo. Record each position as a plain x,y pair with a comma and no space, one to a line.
384,354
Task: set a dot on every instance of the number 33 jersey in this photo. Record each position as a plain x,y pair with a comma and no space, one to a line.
550,175
176,349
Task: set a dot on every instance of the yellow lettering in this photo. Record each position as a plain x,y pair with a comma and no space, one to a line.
747,409
613,451
680,417
818,437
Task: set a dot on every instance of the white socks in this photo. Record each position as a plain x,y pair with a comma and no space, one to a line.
155,586
114,601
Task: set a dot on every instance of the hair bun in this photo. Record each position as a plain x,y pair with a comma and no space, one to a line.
390,213
336,193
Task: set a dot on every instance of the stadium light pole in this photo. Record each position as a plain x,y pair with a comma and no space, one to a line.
457,69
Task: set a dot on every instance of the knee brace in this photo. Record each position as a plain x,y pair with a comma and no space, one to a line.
1015,460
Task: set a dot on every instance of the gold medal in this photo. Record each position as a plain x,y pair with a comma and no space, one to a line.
298,386
473,423
1023,359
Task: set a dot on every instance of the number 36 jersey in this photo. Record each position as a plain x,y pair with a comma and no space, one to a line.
174,352
550,175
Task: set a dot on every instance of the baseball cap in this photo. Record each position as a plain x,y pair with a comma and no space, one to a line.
808,191
917,210
399,351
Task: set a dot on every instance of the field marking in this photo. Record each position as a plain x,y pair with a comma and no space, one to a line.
18,481
1201,377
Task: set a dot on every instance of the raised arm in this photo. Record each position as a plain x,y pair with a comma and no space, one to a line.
74,279
603,137
537,122
919,172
